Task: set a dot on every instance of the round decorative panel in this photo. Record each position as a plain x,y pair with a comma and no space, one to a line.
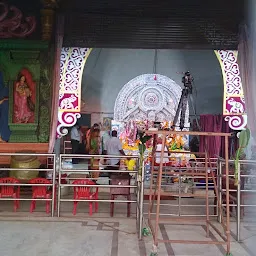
151,97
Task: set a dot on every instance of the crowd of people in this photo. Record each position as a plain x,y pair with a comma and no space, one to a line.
93,144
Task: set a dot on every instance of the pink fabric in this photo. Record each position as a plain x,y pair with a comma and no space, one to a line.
55,83
210,123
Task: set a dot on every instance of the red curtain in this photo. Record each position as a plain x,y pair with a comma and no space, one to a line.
55,83
211,123
216,145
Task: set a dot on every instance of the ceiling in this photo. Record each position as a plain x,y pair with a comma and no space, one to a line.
162,24
149,24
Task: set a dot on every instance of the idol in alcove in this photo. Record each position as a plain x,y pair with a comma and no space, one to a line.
24,95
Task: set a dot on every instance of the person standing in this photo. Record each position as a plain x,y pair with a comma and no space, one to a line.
88,135
114,147
76,141
95,150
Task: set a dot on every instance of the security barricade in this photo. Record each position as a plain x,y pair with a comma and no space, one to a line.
27,180
242,190
87,181
187,184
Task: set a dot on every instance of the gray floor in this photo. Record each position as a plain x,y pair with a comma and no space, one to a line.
105,237
25,233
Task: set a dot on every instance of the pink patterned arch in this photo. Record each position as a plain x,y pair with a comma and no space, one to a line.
233,96
71,70
72,63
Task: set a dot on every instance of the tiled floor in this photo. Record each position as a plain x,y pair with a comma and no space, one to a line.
105,237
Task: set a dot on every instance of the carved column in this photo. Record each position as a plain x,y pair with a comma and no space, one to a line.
47,18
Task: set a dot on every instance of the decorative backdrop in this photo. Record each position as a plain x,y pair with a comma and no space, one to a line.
233,97
129,101
150,97
72,62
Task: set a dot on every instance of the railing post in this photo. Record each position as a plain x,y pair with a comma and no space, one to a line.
141,200
220,192
238,221
53,185
58,172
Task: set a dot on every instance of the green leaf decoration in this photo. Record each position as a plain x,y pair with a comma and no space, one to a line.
142,149
145,138
174,146
244,139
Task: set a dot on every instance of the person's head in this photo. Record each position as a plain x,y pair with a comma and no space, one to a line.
21,78
77,126
95,126
114,133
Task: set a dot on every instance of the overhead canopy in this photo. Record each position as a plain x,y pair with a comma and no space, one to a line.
163,24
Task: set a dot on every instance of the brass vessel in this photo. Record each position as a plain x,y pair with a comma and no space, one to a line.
24,163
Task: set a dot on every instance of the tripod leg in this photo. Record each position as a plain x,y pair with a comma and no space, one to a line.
183,110
194,111
175,120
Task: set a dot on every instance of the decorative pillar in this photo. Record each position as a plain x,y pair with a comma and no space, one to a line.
47,18
233,97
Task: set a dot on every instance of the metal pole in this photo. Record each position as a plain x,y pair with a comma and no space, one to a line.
58,170
238,222
179,189
220,193
159,183
227,195
53,185
207,193
151,202
141,200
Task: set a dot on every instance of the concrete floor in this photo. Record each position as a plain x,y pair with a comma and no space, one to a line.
36,233
25,233
105,237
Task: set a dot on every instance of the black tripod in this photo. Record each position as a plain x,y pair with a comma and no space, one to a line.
186,94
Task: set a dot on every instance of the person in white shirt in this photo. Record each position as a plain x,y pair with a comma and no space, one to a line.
114,147
76,141
158,152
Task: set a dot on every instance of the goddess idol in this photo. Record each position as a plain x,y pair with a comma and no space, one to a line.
24,96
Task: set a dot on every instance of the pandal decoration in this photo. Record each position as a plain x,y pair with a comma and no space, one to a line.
128,134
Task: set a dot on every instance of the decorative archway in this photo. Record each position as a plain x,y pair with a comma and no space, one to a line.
72,63
150,97
71,69
233,97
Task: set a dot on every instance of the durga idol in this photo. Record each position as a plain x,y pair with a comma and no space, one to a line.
23,98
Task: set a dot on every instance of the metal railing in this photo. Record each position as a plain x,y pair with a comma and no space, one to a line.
25,183
92,173
244,189
186,193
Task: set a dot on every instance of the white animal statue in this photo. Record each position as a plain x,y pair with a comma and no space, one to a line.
237,107
67,103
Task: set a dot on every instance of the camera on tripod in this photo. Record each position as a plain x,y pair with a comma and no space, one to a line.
187,80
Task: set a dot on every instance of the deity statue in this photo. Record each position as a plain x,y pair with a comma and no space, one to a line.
24,95
4,110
